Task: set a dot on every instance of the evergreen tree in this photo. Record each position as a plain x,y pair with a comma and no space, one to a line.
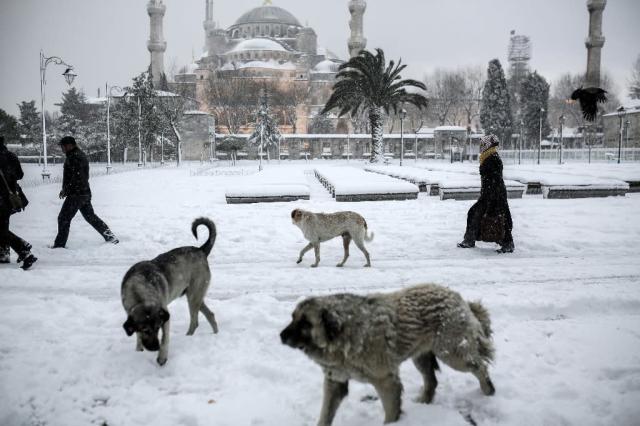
139,100
495,112
266,133
9,127
30,122
534,95
73,110
321,124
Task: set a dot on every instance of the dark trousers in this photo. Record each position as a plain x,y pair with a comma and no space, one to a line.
71,205
9,239
474,220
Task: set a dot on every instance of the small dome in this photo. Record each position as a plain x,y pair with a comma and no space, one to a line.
258,44
268,15
326,67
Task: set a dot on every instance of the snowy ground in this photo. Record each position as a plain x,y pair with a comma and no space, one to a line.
565,308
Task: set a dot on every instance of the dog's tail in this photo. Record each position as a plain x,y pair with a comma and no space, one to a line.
485,344
369,237
208,245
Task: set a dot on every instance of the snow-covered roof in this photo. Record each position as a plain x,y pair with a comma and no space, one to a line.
631,106
270,64
450,129
326,67
323,51
96,101
258,44
189,69
196,112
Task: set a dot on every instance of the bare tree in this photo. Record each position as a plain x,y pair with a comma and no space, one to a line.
560,104
232,100
474,77
634,83
446,90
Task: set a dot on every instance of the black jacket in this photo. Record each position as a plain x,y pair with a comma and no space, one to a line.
10,166
75,180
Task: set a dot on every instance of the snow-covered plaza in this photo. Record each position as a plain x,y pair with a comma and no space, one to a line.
565,308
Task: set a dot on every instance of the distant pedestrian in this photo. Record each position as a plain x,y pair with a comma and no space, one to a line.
12,200
489,219
76,190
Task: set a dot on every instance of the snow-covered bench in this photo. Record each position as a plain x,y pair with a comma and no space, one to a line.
419,177
267,193
352,184
553,183
568,186
278,184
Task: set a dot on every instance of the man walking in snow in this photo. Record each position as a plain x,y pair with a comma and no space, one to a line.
76,190
10,174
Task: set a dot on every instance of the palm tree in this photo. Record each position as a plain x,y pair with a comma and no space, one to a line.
367,83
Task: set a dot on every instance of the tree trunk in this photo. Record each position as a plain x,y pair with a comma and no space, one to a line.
377,140
179,144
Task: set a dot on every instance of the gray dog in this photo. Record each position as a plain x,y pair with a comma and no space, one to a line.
367,338
148,288
320,227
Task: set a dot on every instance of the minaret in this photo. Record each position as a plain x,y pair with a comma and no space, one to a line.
208,24
156,43
357,42
594,42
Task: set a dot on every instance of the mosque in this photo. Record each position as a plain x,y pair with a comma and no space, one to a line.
264,43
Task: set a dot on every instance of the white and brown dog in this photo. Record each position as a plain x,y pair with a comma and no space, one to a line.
320,227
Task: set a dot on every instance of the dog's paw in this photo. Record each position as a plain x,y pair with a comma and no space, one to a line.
298,261
339,265
162,360
315,265
368,265
215,328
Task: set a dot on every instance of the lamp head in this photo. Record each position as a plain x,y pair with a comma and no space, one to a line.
69,75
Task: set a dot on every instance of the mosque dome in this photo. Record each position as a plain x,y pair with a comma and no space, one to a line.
326,67
268,14
258,44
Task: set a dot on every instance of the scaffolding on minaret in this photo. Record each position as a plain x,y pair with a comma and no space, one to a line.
519,55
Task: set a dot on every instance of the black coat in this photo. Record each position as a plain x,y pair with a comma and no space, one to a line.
75,180
492,201
10,166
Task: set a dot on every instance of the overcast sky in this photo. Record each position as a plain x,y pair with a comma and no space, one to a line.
106,40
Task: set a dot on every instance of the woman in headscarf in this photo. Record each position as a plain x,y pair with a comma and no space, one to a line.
489,219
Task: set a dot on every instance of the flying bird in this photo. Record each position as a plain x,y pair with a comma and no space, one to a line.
589,99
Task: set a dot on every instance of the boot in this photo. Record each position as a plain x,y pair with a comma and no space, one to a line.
29,261
467,244
109,237
5,254
24,254
506,248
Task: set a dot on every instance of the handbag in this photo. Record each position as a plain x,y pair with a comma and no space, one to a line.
492,228
15,200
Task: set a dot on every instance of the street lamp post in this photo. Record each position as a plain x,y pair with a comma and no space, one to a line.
403,115
109,96
561,125
540,140
621,113
162,148
69,76
521,141
626,133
